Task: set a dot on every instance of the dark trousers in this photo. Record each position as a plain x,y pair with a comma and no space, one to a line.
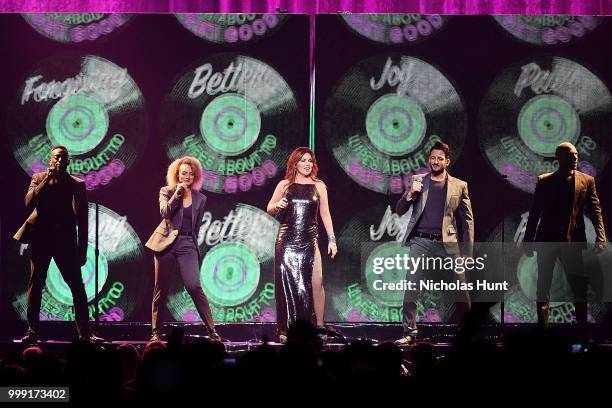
61,247
420,247
570,256
182,255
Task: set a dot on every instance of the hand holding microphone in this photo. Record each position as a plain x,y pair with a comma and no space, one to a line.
52,171
415,188
56,167
180,189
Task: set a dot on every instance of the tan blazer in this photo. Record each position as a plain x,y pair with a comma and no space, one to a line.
458,209
171,210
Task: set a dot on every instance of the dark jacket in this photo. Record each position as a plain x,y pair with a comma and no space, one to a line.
543,224
38,221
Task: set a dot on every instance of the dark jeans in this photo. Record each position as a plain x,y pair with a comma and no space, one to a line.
182,255
61,247
432,249
570,256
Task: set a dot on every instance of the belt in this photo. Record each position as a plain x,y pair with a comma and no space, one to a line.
428,235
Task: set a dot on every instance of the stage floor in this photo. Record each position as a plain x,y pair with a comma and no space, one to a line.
240,337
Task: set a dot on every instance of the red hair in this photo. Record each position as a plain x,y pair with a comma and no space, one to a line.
295,156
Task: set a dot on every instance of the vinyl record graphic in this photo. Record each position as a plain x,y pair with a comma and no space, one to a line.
396,29
534,106
548,30
230,273
237,268
231,28
238,116
76,28
86,103
351,282
522,271
385,114
121,273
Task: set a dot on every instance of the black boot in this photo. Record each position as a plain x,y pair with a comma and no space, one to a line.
31,337
155,336
543,310
582,322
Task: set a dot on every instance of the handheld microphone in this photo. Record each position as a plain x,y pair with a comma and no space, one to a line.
180,190
416,194
52,170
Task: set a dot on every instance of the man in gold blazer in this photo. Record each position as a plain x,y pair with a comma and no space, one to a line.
441,225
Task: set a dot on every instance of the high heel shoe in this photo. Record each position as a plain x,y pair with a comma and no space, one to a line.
214,336
322,334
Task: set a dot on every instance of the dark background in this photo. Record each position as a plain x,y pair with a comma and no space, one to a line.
155,49
471,51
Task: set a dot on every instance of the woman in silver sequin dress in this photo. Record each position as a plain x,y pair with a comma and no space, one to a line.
297,201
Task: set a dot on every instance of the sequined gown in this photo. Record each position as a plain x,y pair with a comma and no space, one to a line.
295,256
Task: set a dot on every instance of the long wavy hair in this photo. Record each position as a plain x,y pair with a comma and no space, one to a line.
172,175
292,161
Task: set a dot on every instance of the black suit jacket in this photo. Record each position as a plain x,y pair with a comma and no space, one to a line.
78,216
543,224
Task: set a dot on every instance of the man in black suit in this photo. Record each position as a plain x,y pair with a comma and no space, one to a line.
56,228
557,216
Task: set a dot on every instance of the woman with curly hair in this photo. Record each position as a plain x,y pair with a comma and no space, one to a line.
174,242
